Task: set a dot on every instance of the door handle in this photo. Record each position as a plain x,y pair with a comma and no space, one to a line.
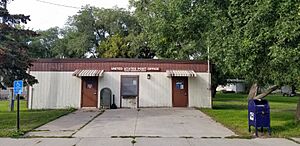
95,93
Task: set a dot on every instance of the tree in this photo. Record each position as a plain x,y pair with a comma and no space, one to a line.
93,32
131,46
108,31
59,43
14,59
116,47
254,40
43,45
73,44
178,30
258,40
174,29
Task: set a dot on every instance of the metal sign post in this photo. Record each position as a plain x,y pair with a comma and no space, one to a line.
18,89
18,112
12,100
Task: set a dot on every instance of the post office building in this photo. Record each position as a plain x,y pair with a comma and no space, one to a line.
126,83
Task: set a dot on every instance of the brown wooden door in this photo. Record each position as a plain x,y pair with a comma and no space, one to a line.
180,91
89,96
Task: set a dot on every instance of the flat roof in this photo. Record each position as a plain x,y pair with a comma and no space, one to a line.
162,65
125,60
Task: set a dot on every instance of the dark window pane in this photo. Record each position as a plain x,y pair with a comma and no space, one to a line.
129,86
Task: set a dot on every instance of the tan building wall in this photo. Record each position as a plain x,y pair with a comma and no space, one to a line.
55,90
62,90
199,91
153,92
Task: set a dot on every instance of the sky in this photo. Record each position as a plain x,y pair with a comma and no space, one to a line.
44,15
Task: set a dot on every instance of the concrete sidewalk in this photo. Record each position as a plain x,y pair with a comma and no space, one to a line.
150,127
154,122
65,126
145,142
296,140
214,142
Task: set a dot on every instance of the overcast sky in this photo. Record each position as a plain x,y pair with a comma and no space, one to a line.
44,15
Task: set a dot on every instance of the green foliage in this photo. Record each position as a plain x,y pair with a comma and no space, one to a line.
59,43
73,44
115,33
181,30
43,45
94,32
116,47
174,29
14,59
255,40
258,40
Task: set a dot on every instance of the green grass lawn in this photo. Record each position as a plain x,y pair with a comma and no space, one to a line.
4,106
29,119
232,111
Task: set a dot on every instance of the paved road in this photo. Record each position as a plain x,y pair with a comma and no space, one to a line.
151,127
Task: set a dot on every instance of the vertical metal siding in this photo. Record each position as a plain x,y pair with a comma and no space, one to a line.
56,90
62,90
199,91
154,92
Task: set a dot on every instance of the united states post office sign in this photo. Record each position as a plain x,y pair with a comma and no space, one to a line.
135,69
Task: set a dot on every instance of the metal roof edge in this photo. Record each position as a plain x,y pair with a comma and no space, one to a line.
125,60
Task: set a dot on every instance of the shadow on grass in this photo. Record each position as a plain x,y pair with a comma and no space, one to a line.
243,97
289,100
32,111
231,107
287,128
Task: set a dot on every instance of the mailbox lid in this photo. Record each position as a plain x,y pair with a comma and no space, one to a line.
261,102
262,106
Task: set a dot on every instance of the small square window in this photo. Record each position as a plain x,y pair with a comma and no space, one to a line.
89,85
129,86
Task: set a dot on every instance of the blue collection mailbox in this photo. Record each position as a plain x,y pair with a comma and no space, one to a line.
259,115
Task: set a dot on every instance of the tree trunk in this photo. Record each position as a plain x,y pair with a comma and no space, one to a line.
253,91
298,111
267,92
213,90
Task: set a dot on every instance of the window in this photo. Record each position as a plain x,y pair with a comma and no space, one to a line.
129,86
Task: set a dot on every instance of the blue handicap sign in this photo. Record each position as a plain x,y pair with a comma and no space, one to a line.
18,87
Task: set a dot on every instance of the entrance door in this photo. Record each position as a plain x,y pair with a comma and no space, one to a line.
89,91
180,91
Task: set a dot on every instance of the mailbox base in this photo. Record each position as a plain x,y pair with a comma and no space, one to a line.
261,130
